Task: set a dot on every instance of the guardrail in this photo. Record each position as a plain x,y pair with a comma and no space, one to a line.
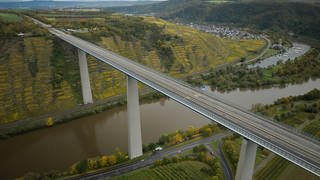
276,148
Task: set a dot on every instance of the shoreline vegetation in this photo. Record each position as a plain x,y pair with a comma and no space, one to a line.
225,78
230,78
300,112
305,107
46,121
167,141
57,65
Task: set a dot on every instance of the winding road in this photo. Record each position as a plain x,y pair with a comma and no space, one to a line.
285,142
223,162
121,169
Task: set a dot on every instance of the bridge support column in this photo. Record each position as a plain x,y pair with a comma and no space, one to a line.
84,76
134,124
246,161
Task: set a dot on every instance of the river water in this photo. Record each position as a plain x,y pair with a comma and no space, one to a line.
59,146
297,50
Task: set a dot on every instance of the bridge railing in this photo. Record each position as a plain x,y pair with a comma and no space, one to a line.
296,131
276,148
272,145
260,116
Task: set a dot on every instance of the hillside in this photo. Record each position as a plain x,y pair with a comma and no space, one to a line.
39,74
279,17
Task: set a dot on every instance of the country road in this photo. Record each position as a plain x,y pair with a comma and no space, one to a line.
285,142
223,162
121,169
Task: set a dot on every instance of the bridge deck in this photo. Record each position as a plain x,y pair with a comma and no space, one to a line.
293,146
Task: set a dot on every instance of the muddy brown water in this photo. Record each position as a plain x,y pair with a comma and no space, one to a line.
59,146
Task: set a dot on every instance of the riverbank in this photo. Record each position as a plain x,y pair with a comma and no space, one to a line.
299,112
169,142
297,71
101,133
48,120
44,121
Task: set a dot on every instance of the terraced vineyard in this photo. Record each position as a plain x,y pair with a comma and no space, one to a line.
39,74
182,170
276,167
26,80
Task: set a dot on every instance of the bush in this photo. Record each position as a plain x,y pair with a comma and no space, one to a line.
200,148
208,171
82,166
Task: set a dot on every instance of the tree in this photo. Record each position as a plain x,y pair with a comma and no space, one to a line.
176,139
31,176
163,139
112,160
50,121
165,161
145,148
152,146
120,156
206,131
200,148
82,166
103,161
157,163
92,164
190,132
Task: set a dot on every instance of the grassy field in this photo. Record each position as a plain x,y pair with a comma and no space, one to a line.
181,170
8,17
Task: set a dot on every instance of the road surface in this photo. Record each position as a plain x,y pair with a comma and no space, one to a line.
223,162
289,144
118,170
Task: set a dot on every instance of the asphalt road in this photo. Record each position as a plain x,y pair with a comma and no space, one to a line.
289,144
223,162
118,170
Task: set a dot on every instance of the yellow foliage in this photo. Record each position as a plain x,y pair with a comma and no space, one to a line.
112,159
92,163
108,160
176,139
73,169
15,115
50,121
104,161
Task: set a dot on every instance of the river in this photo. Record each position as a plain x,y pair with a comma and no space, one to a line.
297,50
59,146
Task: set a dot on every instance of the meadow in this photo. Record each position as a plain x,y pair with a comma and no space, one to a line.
9,17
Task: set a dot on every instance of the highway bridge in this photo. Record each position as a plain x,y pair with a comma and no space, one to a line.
256,130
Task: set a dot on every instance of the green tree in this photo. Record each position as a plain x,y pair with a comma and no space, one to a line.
82,166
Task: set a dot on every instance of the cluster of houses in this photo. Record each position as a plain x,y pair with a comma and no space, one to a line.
224,32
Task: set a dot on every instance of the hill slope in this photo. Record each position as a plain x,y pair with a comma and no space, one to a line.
39,74
277,16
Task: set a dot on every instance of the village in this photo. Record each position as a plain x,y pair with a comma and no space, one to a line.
224,32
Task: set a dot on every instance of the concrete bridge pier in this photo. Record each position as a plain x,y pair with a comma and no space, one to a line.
84,76
246,161
134,124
